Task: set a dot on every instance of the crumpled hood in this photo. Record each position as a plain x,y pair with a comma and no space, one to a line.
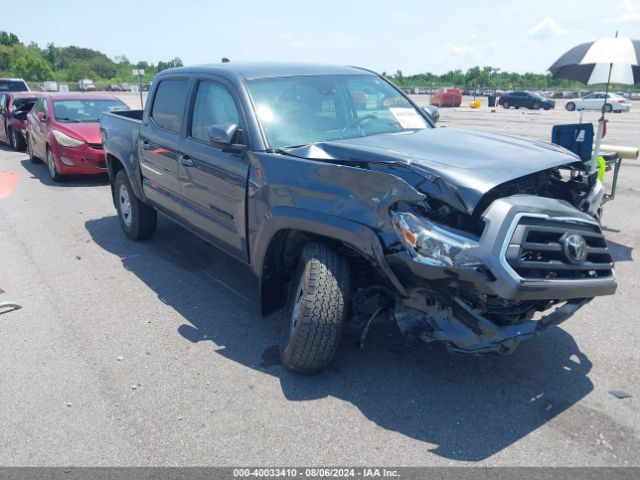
470,162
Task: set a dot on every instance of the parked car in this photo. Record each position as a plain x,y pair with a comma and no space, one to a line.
14,107
86,85
595,101
350,212
446,97
63,130
526,99
13,85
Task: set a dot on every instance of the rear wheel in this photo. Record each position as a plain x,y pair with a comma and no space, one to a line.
137,219
570,106
17,142
316,309
53,169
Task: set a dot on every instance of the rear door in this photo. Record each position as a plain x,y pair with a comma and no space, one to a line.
159,142
214,182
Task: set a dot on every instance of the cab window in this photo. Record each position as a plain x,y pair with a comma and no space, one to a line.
169,103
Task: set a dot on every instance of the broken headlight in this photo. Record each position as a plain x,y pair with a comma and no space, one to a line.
432,244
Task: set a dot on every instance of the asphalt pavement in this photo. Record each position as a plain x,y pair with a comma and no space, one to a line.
155,353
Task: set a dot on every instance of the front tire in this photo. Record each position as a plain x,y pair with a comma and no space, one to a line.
53,169
536,106
32,157
137,219
505,105
570,106
316,309
608,108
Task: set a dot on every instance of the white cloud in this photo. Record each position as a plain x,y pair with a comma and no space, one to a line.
627,11
547,28
462,50
290,40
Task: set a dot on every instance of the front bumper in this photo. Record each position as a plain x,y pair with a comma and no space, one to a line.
88,159
497,276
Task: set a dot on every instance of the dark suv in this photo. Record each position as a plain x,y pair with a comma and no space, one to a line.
531,100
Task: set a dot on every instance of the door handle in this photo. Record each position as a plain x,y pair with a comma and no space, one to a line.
146,146
185,160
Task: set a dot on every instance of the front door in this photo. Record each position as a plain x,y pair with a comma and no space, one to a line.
159,142
214,182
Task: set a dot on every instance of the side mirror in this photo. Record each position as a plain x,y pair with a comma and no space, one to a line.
432,112
41,117
222,135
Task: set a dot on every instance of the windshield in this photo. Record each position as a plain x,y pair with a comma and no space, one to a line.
13,86
84,111
297,111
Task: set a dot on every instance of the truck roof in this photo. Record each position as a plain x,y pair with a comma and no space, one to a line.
252,71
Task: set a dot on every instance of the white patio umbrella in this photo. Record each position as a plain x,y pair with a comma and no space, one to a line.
608,60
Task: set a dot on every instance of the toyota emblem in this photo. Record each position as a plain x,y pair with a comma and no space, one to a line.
575,248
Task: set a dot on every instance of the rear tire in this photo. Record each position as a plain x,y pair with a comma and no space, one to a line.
16,140
570,106
53,169
137,219
316,309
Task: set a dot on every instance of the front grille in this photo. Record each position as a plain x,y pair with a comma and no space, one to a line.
101,164
536,251
96,146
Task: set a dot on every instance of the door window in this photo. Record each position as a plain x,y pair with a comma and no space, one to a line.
214,105
169,103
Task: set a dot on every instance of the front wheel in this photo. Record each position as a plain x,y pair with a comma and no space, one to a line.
608,108
570,106
32,157
137,219
536,106
316,309
505,105
53,169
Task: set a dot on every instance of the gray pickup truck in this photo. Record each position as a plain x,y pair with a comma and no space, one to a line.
351,207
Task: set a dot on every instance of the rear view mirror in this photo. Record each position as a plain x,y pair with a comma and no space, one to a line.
222,134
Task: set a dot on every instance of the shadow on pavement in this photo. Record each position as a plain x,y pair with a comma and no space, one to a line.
468,407
39,171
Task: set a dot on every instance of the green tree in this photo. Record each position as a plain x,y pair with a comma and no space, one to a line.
175,62
8,39
33,67
79,70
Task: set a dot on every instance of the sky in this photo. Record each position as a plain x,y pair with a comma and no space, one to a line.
385,36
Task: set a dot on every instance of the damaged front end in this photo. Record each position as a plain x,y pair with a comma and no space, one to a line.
487,292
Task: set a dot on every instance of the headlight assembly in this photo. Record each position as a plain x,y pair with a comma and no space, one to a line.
432,244
65,140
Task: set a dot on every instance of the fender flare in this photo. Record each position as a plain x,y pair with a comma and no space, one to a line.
133,173
361,238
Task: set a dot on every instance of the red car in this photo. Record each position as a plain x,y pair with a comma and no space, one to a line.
63,129
446,97
14,107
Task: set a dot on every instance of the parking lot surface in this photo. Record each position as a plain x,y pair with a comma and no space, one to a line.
155,353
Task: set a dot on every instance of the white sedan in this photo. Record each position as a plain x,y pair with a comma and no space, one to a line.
594,101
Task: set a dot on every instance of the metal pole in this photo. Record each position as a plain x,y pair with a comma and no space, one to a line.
140,89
